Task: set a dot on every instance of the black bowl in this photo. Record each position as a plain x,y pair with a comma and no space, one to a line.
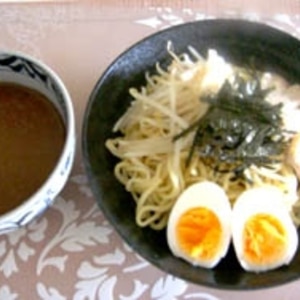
240,42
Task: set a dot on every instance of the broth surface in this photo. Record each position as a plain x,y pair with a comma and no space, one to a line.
32,135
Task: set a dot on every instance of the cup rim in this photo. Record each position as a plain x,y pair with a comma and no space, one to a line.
67,152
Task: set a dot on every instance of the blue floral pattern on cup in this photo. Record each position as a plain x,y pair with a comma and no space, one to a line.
20,68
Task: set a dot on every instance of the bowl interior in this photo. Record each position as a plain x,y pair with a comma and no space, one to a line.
240,42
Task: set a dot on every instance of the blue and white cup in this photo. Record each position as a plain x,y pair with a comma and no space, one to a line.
18,68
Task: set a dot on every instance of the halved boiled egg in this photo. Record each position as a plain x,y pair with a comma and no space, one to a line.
198,228
264,236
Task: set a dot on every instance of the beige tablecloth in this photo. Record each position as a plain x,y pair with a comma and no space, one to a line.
72,252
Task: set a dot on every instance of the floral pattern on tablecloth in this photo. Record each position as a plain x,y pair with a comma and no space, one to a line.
72,252
63,250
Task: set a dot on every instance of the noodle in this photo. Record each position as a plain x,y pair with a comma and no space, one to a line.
153,167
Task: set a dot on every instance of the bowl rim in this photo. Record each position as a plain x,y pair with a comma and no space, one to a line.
67,153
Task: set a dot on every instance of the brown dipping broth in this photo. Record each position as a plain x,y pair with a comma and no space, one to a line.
32,135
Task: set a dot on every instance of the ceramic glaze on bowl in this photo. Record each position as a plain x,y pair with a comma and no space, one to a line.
239,42
31,79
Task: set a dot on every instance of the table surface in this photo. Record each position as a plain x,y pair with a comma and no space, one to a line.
72,252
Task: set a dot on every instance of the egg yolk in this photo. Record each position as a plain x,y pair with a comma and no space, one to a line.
199,233
264,239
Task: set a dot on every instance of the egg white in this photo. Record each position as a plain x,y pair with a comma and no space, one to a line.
269,200
211,196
